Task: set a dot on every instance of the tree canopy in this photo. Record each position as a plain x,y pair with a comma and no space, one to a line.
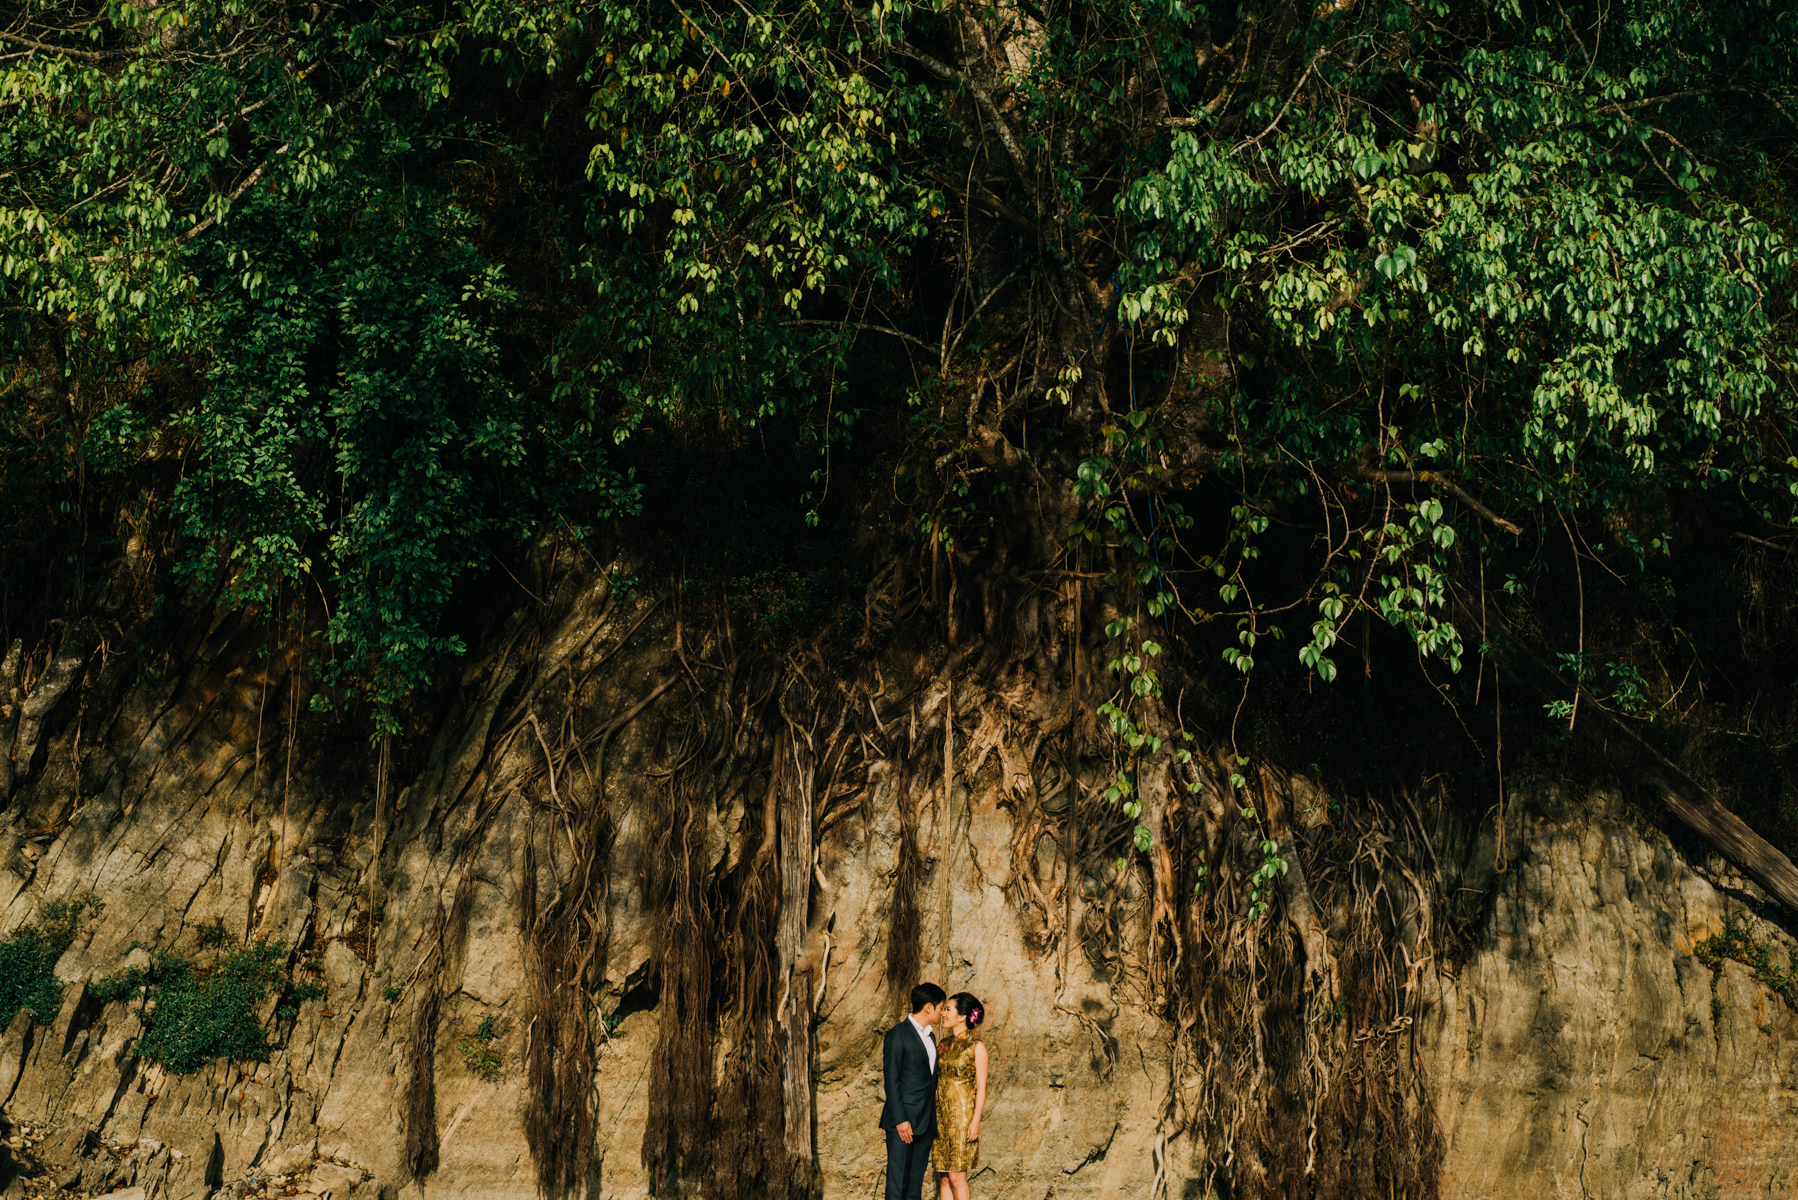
1442,306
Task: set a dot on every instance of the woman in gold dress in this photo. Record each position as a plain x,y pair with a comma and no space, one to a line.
960,1097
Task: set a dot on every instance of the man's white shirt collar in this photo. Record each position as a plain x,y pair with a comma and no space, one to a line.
929,1039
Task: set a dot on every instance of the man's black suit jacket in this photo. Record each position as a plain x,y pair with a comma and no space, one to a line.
910,1082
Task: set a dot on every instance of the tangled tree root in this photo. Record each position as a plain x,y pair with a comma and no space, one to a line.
1293,1067
1297,1043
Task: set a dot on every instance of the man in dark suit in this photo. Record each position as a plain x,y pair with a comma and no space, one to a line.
908,1063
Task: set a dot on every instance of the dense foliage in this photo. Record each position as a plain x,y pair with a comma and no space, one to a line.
28,959
1321,318
202,1012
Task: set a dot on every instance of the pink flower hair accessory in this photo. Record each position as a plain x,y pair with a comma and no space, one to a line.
969,1007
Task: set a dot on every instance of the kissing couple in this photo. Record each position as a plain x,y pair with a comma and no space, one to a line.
935,1094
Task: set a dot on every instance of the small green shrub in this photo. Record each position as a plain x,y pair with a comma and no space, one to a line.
26,978
1735,942
62,918
121,986
28,959
392,993
478,1053
212,935
308,991
203,1014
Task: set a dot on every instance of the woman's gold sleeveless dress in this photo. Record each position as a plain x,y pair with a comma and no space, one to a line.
952,1151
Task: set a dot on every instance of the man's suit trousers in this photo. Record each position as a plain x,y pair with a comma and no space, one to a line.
906,1166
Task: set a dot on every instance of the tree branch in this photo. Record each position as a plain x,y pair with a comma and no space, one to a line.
1626,106
868,329
1047,236
945,71
1446,484
83,55
1279,116
1749,537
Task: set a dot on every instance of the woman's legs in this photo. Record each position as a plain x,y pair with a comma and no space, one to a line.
957,1182
944,1189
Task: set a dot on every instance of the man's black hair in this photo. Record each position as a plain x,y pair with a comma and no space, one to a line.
927,993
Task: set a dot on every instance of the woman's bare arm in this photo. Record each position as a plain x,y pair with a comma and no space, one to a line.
979,1089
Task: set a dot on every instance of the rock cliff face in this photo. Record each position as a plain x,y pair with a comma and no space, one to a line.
1573,1042
1584,1049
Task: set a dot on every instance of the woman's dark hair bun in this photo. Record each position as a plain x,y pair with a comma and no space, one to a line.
969,1006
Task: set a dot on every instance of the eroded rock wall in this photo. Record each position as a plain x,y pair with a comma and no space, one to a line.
1583,1049
1575,1044
201,823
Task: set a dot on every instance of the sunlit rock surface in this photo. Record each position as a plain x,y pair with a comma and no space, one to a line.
1575,1045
